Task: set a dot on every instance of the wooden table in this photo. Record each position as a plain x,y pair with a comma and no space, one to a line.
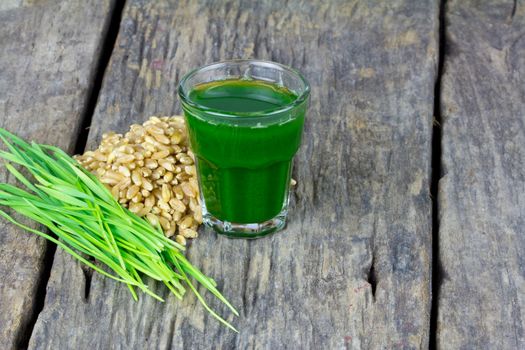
407,227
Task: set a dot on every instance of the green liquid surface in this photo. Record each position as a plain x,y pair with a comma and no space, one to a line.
244,170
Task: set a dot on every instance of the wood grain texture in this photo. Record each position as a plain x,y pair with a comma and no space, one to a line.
48,56
360,212
482,208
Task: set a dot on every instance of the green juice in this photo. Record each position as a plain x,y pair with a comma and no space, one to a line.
244,165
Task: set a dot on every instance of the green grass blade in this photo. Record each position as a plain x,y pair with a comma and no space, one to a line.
18,175
202,301
62,197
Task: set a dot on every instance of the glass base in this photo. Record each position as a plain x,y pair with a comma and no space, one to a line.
236,230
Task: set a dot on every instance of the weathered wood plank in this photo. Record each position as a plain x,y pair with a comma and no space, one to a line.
482,208
48,54
363,195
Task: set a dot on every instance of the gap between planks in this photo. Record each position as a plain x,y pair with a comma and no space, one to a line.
436,175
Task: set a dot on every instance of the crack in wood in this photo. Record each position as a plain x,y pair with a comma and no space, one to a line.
88,274
435,177
246,272
513,12
372,278
105,55
24,333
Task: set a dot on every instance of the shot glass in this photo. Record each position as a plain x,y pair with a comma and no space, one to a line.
245,120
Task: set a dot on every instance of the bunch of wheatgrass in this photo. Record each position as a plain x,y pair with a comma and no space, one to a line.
86,219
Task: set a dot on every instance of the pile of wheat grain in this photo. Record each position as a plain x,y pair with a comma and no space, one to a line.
151,171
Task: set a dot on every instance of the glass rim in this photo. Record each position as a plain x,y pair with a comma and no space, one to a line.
183,94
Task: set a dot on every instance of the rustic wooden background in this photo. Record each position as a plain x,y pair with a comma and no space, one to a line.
407,223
